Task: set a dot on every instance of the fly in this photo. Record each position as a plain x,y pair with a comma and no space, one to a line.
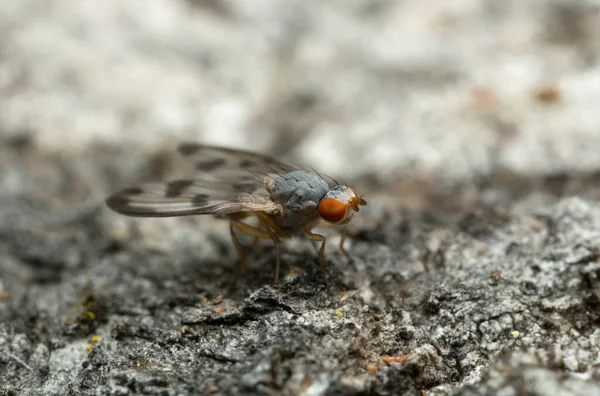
239,184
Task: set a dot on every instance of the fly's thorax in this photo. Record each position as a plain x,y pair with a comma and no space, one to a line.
299,190
339,204
299,193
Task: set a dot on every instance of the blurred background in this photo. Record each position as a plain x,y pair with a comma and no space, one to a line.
376,91
466,122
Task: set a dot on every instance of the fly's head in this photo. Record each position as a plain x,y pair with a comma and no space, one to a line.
339,205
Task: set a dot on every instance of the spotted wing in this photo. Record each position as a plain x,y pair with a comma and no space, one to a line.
226,164
190,197
231,181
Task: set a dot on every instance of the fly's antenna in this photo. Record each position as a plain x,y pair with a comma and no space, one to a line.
362,200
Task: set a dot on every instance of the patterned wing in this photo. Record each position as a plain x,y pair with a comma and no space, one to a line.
232,181
222,161
190,197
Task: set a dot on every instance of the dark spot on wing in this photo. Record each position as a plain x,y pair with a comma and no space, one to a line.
247,163
200,199
244,187
177,188
131,191
118,202
189,148
211,164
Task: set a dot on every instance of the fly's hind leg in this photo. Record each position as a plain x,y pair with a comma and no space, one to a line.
320,239
258,233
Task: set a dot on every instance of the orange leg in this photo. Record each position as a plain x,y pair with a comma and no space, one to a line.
268,221
250,230
275,231
319,239
342,249
267,229
257,239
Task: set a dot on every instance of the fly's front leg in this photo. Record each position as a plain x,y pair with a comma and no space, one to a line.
250,230
318,239
342,249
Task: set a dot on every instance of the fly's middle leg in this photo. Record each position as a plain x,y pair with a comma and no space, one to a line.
342,249
320,239
275,231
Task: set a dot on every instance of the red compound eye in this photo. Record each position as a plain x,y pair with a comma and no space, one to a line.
332,210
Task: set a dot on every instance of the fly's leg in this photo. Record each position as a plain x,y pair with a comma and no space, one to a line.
256,239
273,229
268,222
275,239
253,231
319,239
342,249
